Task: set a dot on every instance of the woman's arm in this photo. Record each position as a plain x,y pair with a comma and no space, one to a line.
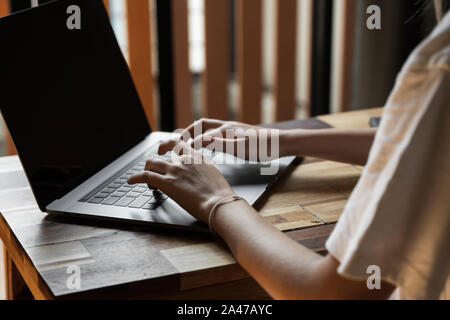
284,268
350,146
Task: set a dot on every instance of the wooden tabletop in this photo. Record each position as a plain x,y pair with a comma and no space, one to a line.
120,262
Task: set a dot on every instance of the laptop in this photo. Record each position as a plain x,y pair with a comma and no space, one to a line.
78,125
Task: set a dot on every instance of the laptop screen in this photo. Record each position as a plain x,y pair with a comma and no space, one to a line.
66,95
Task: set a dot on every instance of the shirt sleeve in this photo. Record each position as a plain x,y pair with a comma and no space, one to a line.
398,217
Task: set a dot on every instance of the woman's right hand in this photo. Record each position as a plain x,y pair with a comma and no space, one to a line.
238,139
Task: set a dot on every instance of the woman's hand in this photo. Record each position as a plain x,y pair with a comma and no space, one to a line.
238,139
189,179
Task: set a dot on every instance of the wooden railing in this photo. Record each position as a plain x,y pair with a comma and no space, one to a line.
138,25
285,59
248,55
249,35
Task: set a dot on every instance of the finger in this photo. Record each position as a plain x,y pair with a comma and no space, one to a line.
167,146
206,138
199,127
187,155
185,159
157,166
150,178
177,147
236,147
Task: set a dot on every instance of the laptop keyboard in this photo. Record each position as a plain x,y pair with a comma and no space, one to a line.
120,194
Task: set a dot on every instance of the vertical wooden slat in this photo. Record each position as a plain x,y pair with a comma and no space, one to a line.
249,59
106,3
285,59
182,75
343,55
139,45
215,79
305,49
14,284
4,8
10,148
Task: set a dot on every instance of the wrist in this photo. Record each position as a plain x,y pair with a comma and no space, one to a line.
231,216
289,142
221,203
211,201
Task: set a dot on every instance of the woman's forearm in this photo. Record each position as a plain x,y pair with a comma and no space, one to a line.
284,268
350,146
269,256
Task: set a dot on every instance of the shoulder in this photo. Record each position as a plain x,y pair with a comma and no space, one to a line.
434,52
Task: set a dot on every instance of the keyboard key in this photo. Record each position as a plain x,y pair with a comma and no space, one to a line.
119,194
111,200
115,185
124,202
154,200
148,193
134,194
102,195
125,189
139,202
150,206
140,189
95,200
108,190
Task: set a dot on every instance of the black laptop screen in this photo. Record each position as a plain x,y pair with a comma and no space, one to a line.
66,95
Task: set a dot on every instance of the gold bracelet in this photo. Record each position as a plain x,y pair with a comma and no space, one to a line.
219,203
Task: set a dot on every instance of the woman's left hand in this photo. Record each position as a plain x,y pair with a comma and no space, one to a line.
189,179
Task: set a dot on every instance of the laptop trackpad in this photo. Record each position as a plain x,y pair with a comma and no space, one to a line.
251,180
245,174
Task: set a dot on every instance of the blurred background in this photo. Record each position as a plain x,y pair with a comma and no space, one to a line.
259,61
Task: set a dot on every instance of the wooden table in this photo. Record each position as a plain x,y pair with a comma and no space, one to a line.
119,262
